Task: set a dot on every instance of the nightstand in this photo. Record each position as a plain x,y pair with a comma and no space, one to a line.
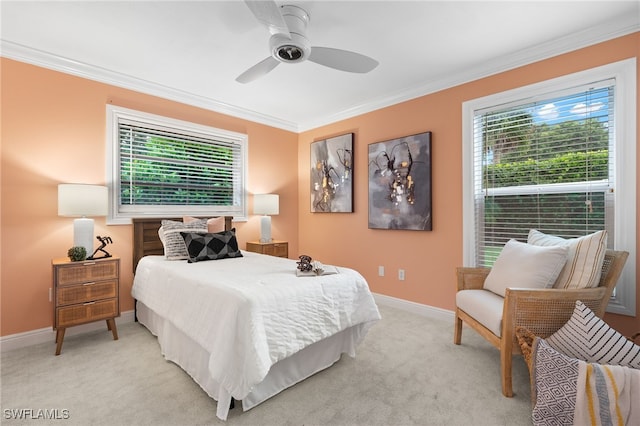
84,292
274,248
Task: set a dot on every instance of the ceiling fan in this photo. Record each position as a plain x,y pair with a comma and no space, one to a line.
289,44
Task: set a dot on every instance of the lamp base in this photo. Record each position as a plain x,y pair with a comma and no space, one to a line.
265,229
83,234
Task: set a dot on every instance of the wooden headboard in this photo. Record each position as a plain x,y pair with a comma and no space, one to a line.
146,240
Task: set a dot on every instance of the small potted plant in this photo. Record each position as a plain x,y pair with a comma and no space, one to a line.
77,253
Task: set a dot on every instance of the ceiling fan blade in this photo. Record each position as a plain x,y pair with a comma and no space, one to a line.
258,70
268,13
342,60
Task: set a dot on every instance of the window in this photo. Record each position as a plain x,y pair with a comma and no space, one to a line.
558,156
163,167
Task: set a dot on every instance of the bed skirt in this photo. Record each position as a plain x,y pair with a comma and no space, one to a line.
177,347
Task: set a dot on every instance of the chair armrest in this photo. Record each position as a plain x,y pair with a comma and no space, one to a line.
545,311
471,278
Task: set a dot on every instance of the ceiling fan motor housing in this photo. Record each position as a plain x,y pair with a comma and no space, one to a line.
297,47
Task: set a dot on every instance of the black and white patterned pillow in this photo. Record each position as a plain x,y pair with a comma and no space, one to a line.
589,338
554,385
174,248
211,246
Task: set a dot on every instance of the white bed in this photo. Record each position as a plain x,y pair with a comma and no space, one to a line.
247,328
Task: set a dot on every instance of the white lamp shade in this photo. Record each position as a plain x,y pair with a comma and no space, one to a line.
80,200
267,204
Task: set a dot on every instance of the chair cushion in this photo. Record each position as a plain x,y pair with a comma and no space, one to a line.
522,265
589,338
484,306
584,259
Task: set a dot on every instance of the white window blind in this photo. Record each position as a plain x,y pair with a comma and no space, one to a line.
546,164
558,156
162,166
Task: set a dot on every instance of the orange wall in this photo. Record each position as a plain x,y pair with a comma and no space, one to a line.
429,258
53,131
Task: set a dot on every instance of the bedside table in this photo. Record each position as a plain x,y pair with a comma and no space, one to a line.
274,248
84,292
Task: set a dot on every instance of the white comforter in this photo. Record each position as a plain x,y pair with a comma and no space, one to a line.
253,311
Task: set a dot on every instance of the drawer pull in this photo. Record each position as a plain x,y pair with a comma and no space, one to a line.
89,303
91,283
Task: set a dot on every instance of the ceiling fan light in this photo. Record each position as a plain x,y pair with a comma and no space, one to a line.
289,50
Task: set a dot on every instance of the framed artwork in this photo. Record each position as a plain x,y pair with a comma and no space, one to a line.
400,183
332,175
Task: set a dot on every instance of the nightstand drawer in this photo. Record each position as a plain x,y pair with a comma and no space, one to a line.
277,249
91,311
87,292
79,272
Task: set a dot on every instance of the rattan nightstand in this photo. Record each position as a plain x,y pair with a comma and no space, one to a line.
84,292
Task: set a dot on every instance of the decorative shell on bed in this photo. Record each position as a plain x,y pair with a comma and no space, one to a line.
304,264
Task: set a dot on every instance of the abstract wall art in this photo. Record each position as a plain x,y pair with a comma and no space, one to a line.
400,183
332,175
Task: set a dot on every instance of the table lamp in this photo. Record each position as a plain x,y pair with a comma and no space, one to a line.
266,205
82,201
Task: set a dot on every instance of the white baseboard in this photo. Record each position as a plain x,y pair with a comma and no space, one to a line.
34,337
415,308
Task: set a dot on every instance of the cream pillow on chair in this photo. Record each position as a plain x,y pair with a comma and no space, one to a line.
522,265
584,264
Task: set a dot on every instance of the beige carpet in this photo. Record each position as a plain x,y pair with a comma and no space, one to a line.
406,372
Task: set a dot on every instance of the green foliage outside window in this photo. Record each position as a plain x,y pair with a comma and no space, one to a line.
163,171
518,152
564,168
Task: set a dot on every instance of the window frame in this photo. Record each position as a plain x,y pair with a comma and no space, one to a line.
624,72
117,217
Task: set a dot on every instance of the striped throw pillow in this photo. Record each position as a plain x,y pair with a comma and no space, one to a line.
589,338
584,261
174,247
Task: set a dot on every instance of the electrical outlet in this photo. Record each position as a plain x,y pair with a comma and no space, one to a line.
50,294
401,274
381,271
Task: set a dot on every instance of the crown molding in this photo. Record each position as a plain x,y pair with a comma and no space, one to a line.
47,60
581,39
606,31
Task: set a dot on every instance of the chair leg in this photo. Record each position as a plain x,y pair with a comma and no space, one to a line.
457,330
506,368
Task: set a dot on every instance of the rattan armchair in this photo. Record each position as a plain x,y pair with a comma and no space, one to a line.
542,311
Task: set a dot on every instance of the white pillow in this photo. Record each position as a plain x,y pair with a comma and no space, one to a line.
522,265
584,263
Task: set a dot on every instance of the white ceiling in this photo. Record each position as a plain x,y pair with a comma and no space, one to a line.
192,51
